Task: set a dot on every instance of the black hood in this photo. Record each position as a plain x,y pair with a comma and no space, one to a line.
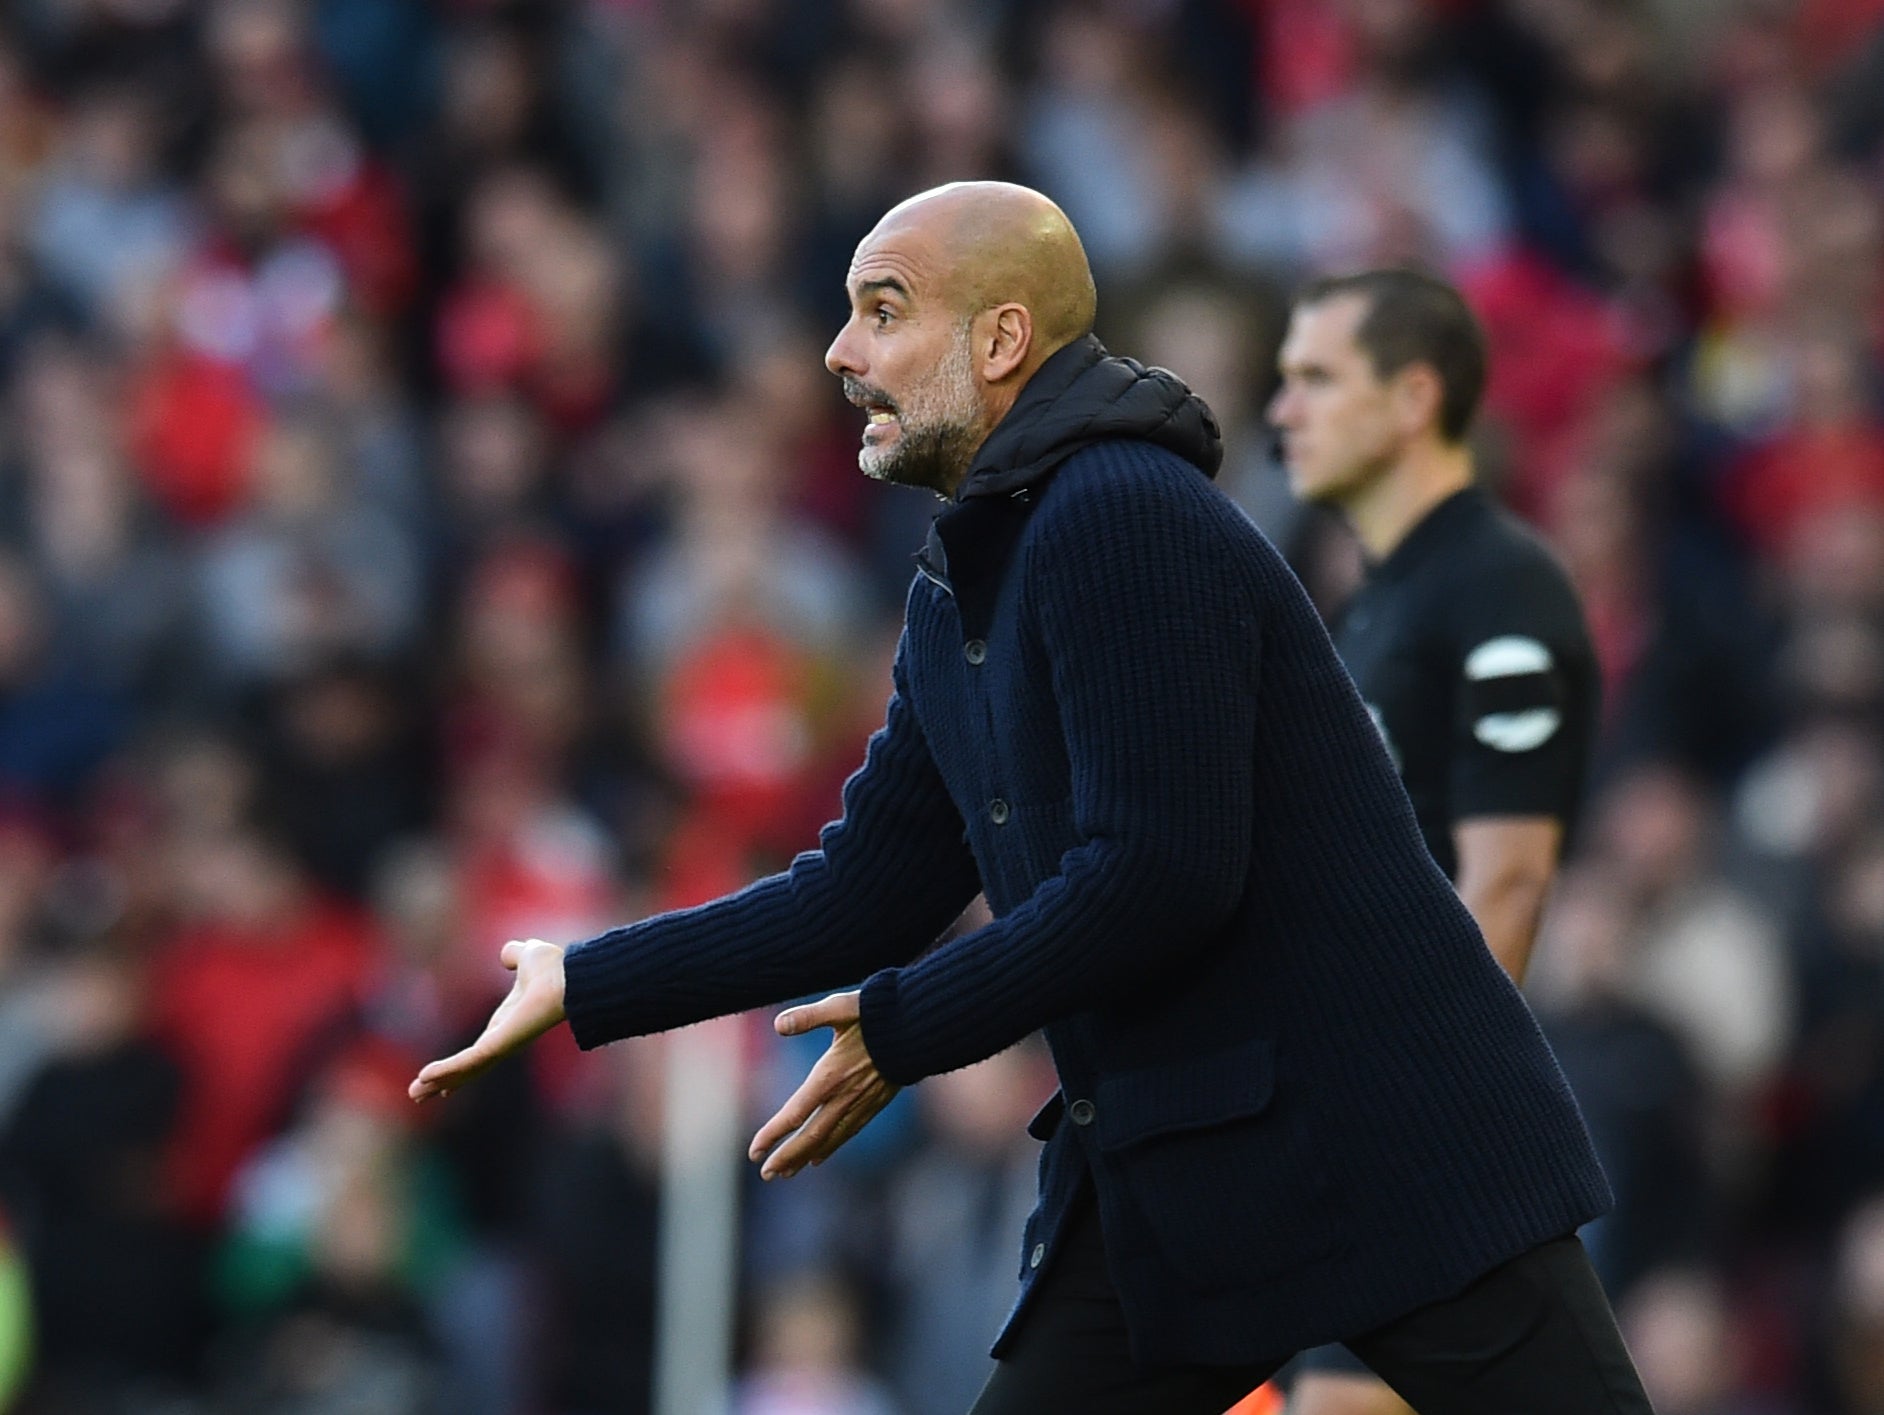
1080,396
1083,395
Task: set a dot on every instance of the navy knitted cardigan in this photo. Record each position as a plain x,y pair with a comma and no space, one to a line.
1305,1095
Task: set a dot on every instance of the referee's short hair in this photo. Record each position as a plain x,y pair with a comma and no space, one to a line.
1416,318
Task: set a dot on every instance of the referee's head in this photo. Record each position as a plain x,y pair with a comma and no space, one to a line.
1377,367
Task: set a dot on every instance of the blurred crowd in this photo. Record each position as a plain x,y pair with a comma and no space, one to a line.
425,521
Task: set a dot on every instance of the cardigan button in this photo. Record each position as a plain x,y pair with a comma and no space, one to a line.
998,811
1081,1112
975,651
1038,1256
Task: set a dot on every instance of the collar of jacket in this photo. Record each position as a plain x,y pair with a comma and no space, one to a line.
1079,396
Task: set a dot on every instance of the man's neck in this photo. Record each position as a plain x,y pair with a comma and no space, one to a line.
997,403
1393,503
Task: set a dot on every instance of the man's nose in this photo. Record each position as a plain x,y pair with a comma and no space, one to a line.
838,358
1279,407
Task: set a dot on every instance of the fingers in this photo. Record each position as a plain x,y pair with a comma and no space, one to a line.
442,1077
804,1102
821,1142
791,1157
837,1099
809,1141
837,1010
827,1131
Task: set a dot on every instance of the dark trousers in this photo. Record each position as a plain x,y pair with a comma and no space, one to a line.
1534,1336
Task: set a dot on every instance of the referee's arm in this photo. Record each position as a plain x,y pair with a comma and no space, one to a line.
1523,708
1505,865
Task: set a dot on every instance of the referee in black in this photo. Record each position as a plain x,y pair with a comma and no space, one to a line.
1466,641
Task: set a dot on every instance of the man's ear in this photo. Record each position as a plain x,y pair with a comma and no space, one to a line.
1418,395
1004,336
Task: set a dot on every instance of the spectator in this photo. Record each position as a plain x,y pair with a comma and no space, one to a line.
116,1274
1680,1331
1703,956
260,974
1643,1097
106,217
309,571
346,772
340,1235
595,1226
955,1205
56,727
1857,1315
806,1362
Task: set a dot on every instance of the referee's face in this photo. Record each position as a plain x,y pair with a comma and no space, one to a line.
1338,420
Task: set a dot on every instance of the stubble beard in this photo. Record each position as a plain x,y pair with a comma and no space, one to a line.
939,428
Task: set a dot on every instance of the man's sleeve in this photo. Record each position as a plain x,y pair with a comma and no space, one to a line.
1523,695
888,877
1146,608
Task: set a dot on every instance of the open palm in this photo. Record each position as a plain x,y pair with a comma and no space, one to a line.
533,1005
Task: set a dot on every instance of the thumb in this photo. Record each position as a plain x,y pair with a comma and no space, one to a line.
512,953
833,1011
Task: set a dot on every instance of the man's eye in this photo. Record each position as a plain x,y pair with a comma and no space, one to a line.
883,315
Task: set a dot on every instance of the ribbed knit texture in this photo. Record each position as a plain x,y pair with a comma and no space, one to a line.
1312,1100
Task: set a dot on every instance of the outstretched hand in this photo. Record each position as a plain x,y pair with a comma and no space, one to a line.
533,1005
842,1094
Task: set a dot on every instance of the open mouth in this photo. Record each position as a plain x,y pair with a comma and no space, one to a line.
880,418
880,413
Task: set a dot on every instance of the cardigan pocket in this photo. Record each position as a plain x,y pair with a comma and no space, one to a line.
1226,1173
1193,1094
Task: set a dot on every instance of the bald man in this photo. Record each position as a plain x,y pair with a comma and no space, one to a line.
1298,1100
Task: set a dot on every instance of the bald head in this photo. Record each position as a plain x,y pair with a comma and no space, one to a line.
997,243
957,296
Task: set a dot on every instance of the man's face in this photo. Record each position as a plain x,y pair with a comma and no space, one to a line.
1335,414
904,356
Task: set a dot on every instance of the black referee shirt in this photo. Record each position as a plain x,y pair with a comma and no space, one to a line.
1469,646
